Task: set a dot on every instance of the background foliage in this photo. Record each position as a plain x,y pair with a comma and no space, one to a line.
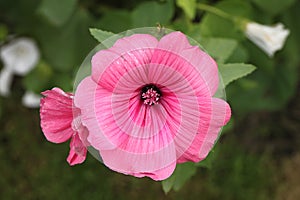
258,155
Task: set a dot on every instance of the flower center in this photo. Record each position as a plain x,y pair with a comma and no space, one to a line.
150,94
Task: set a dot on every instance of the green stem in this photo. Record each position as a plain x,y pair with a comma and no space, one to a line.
215,11
238,21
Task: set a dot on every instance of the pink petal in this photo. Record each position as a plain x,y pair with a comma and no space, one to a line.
137,128
190,90
158,175
56,115
157,165
205,65
204,142
138,43
77,152
79,128
191,98
174,72
221,114
85,98
129,71
174,42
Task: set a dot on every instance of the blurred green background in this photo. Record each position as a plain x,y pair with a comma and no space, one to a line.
258,154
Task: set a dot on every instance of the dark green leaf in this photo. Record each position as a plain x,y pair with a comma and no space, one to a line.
275,6
18,14
182,173
57,11
151,13
207,162
239,55
115,21
168,184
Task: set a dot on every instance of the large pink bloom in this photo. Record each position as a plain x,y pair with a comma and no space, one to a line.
60,121
149,104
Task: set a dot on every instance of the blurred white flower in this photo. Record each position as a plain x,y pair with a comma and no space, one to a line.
6,77
269,38
19,57
31,100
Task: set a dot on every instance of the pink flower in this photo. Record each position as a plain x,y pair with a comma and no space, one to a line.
149,104
60,121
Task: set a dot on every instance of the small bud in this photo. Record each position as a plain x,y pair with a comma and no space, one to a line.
269,38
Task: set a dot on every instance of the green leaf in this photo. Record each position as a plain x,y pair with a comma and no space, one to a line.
100,35
188,6
210,158
57,11
219,48
275,6
231,72
181,175
20,16
207,162
167,184
115,20
64,49
151,13
239,55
